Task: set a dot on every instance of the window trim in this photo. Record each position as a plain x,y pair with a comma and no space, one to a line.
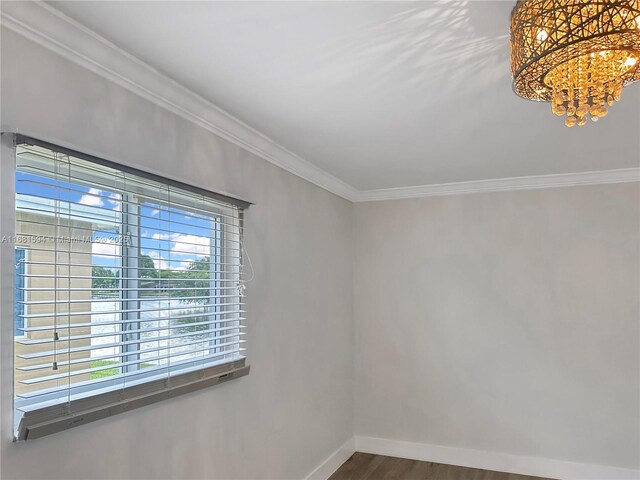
143,389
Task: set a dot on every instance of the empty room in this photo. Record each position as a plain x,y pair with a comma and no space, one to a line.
320,240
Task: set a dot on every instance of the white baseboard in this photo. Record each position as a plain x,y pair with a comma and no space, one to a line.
501,462
334,461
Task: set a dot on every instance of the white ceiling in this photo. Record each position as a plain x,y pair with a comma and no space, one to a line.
379,94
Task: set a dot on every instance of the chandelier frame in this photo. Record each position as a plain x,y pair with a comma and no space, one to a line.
548,33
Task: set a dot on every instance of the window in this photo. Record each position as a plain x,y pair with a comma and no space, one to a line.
18,293
127,288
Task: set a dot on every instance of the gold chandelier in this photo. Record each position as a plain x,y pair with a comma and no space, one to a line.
576,54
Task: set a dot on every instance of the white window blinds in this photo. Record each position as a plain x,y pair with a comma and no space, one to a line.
129,286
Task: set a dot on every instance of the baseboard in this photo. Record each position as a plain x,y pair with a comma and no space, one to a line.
334,461
500,462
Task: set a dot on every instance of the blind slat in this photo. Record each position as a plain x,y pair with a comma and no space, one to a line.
94,358
69,252
88,371
68,326
91,277
68,351
115,289
129,310
124,379
159,328
149,299
44,155
108,215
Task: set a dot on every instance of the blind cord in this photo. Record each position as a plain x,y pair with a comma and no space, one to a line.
242,284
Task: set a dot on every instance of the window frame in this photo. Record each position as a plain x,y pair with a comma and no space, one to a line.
146,387
25,286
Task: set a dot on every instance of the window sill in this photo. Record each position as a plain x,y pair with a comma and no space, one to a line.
48,420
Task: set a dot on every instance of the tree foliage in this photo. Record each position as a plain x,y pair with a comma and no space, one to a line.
103,278
147,267
194,281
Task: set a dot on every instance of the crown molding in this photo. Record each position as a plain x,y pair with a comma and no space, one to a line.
623,175
59,33
46,26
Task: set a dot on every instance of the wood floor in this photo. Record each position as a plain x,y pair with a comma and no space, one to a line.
364,466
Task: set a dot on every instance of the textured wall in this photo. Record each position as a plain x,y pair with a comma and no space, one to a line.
296,406
505,322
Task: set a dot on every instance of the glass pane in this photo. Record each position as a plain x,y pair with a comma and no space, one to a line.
69,246
176,250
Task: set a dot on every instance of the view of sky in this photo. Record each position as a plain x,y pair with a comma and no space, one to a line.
172,237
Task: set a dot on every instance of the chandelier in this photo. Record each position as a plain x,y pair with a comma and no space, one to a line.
576,54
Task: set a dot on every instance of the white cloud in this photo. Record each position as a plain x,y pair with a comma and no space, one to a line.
91,198
105,247
161,263
155,212
160,236
115,201
186,244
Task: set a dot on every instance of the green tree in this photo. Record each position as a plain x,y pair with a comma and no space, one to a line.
192,282
103,278
199,283
147,267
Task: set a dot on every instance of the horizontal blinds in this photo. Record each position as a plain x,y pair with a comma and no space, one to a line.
122,279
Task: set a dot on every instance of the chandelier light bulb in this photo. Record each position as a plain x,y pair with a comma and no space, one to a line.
576,54
542,35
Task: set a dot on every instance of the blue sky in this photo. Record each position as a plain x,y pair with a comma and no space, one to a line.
171,237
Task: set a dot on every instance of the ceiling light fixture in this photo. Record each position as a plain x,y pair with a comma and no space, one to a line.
576,54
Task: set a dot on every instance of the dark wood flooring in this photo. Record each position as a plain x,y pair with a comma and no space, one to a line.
365,466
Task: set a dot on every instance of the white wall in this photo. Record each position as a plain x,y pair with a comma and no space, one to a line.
503,322
296,406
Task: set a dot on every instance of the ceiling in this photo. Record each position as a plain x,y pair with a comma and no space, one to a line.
378,94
